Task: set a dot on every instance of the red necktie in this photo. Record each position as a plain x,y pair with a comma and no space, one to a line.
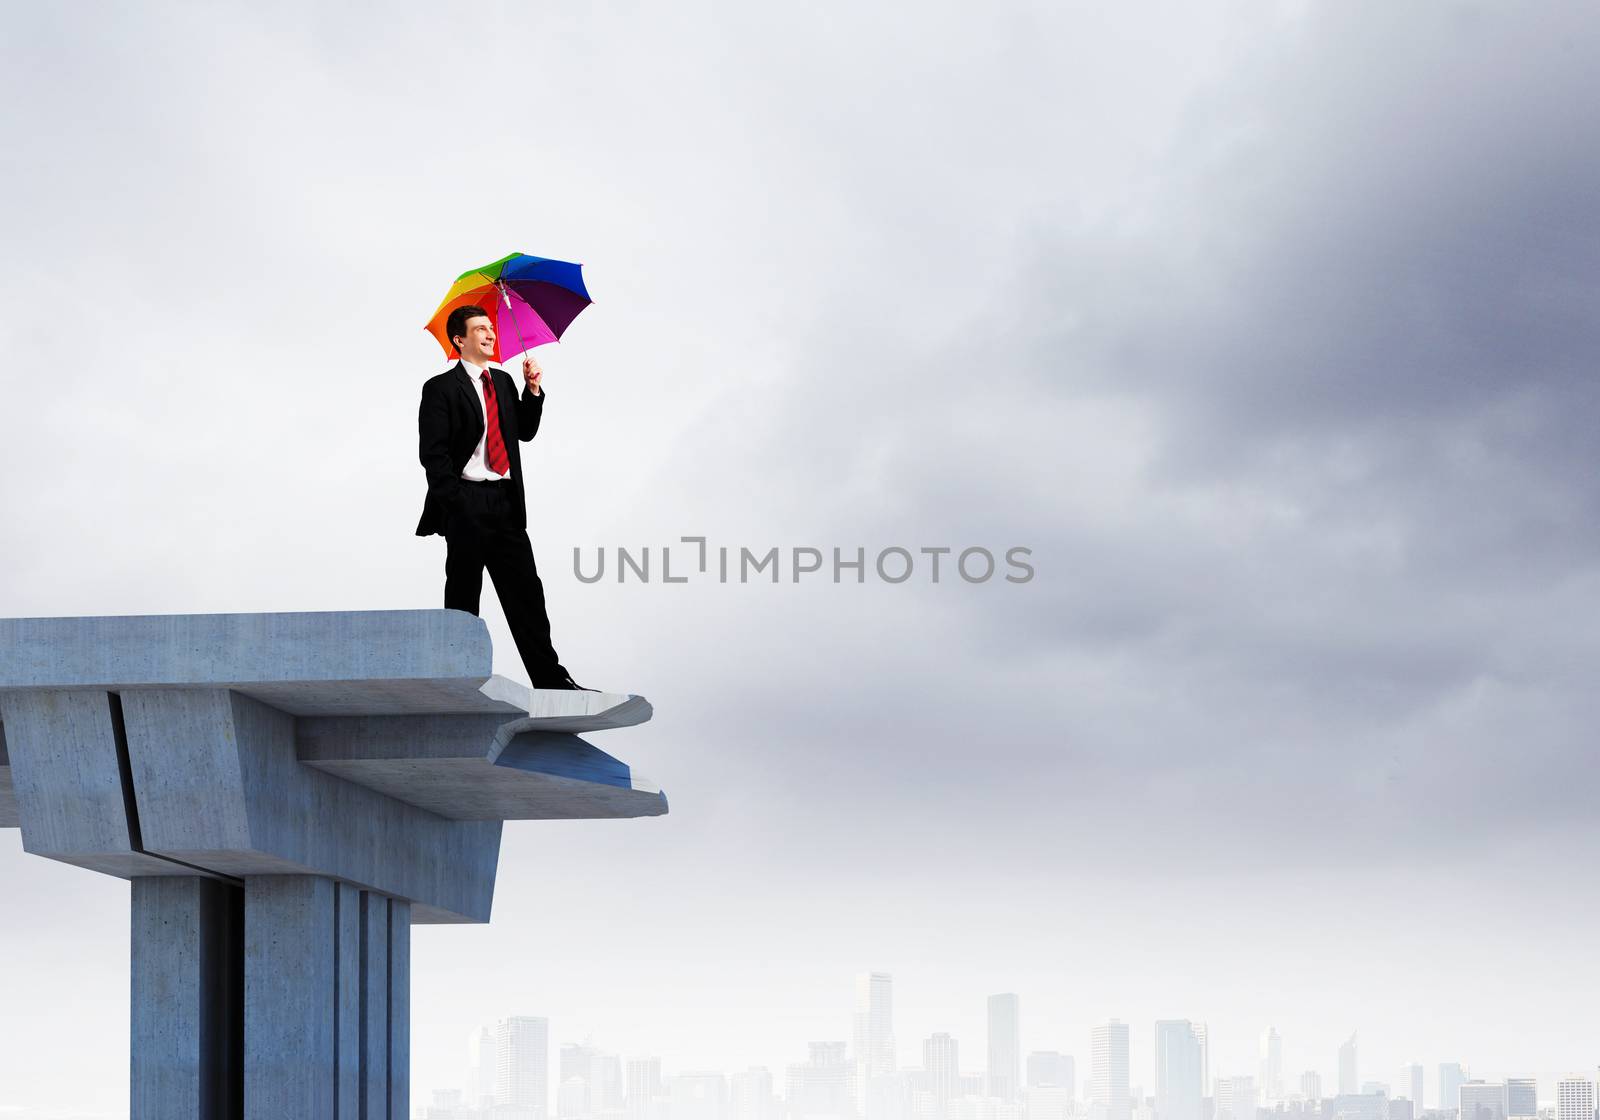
493,445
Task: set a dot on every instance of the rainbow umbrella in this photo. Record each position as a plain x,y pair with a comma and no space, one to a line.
533,299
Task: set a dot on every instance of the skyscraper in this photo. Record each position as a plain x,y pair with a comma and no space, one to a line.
1349,1083
1272,1065
894,1096
606,1085
1357,1106
1451,1078
1051,1069
1483,1100
1222,1099
1005,1047
1242,1098
1203,1033
1522,1096
1052,1086
1575,1098
698,1096
1412,1077
1311,1085
522,1065
590,1082
572,1099
645,1089
941,1065
824,1085
480,1068
872,1045
752,1097
1178,1091
1047,1102
1109,1093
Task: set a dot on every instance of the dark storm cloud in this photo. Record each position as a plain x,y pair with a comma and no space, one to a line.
1325,562
1376,258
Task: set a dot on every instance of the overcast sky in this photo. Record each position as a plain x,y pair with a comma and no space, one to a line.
1269,328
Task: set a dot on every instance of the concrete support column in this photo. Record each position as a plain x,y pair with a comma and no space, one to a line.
327,977
187,999
289,791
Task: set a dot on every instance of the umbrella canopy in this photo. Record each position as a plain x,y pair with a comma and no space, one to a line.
531,301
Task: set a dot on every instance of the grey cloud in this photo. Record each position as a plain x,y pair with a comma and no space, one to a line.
1350,319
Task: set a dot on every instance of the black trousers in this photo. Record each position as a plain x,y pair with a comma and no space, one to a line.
480,535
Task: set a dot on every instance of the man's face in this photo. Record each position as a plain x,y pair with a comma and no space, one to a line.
478,345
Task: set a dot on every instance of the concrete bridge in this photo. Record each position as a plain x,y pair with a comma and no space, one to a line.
287,794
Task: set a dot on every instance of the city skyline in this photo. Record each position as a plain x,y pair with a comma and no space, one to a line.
1173,1087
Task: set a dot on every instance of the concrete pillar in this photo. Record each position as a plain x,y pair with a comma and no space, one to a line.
399,1009
327,975
347,910
187,1000
289,791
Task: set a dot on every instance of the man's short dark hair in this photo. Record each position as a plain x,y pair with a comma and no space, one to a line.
456,325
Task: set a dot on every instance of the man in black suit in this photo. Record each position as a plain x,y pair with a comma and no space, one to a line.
470,424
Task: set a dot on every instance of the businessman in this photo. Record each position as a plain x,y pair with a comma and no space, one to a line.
469,425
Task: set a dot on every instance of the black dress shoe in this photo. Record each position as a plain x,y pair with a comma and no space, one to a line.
565,682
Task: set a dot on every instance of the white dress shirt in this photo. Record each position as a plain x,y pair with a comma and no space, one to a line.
477,468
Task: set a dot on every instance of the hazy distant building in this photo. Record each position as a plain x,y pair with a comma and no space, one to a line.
894,1096
1311,1085
1575,1098
1109,1085
1179,1092
480,1069
449,1104
823,1087
941,1065
1242,1095
1402,1109
644,1090
1051,1069
750,1095
1203,1033
522,1065
697,1096
1272,1065
606,1086
1483,1100
1047,1102
591,1083
1005,1047
573,1063
1451,1078
572,1099
976,1106
1356,1106
1413,1076
1349,1082
1522,1096
872,1042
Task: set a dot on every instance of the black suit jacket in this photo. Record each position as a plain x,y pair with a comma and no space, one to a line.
449,425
